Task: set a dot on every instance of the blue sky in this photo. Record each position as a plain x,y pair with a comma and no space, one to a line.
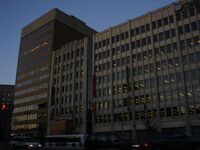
98,14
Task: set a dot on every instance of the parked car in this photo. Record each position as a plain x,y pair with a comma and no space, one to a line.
111,141
25,142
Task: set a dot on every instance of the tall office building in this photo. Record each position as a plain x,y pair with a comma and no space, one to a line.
71,88
38,40
147,73
6,109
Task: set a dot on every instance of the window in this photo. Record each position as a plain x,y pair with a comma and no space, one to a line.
147,27
194,26
148,40
168,112
154,25
184,14
142,28
173,32
132,32
138,44
132,45
165,21
178,16
159,23
171,19
187,28
137,30
161,36
167,34
191,12
155,38
143,41
180,30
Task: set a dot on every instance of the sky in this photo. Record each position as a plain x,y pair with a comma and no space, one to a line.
98,14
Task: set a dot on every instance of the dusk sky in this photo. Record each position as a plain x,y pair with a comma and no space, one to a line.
98,14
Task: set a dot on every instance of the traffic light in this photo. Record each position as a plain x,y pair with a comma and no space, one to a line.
126,88
3,106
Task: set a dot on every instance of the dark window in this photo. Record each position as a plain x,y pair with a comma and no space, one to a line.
127,47
108,41
104,42
137,31
178,16
191,11
161,36
194,26
169,48
167,34
173,32
184,14
138,44
122,36
132,32
142,28
180,30
189,43
133,45
171,19
139,56
100,44
165,21
143,41
174,46
191,58
168,112
147,27
187,28
95,45
154,25
160,23
155,38
182,44
126,34
113,39
148,40
117,38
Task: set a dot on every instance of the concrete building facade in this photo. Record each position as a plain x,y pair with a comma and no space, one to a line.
147,71
71,88
38,40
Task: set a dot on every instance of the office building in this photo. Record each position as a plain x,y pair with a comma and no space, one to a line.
147,73
38,40
6,109
71,88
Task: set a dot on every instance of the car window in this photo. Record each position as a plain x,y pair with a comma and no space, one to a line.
30,140
113,138
101,137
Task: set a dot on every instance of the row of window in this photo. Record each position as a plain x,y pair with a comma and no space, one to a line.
162,22
69,56
67,99
188,28
32,72
33,80
33,64
68,67
188,11
68,77
189,43
148,114
30,98
32,89
25,126
25,108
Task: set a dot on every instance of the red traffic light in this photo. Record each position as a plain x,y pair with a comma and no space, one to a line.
3,107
